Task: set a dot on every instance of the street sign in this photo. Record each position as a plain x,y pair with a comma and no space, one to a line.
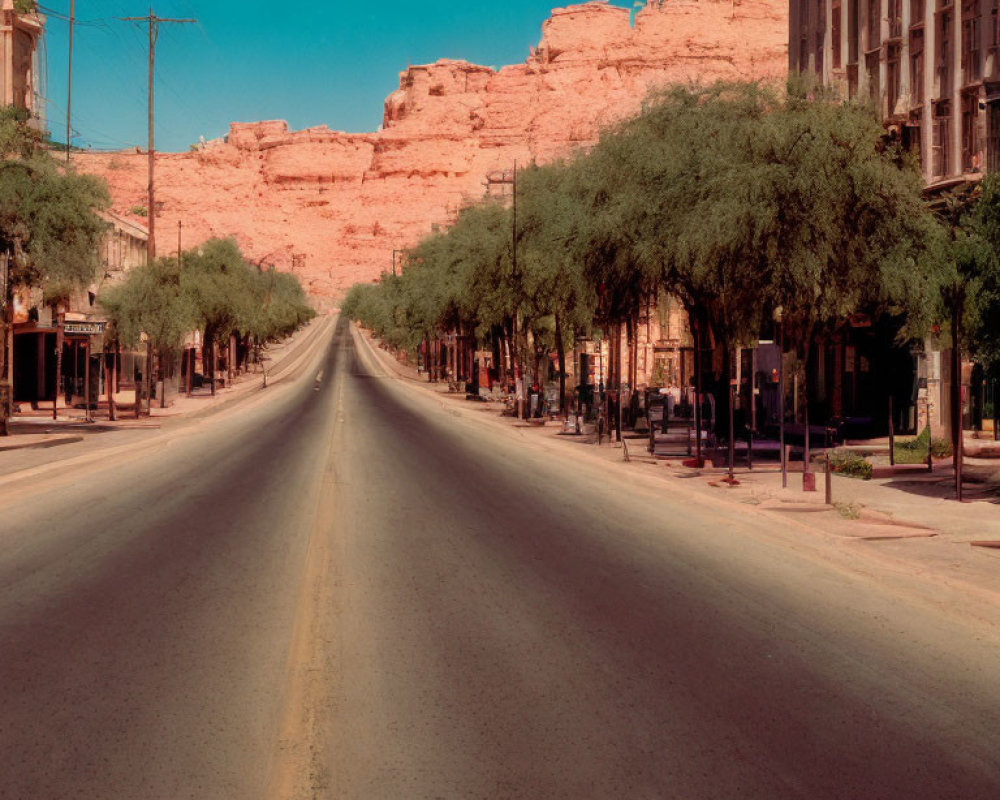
84,328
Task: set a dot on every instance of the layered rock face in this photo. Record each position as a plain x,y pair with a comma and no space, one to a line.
333,206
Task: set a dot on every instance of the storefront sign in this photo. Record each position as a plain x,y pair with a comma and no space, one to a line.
84,328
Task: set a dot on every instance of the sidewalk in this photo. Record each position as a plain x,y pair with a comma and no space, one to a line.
35,428
908,519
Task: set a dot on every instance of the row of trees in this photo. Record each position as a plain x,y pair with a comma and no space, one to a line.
742,201
211,288
50,234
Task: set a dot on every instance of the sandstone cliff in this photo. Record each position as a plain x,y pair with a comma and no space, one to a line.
332,206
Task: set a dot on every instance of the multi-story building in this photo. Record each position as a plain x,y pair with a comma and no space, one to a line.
20,76
932,67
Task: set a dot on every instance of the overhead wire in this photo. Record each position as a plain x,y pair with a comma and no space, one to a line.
131,45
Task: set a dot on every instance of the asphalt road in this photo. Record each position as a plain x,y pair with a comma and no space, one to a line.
355,590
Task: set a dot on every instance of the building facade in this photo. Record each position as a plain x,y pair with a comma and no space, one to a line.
20,76
932,68
37,332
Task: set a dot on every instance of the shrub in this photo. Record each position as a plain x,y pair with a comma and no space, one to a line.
914,451
851,465
941,448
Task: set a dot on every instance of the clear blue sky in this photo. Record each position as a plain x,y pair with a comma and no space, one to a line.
307,61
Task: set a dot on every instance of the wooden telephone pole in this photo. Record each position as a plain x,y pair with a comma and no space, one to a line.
153,22
69,83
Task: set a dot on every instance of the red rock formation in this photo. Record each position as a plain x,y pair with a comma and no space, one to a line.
332,206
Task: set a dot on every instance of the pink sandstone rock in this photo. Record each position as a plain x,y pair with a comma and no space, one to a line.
331,206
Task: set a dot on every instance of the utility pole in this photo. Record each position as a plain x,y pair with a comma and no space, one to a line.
153,22
69,83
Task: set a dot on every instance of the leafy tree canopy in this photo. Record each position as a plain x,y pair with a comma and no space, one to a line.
48,213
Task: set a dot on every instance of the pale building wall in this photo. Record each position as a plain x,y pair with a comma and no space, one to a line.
930,66
19,64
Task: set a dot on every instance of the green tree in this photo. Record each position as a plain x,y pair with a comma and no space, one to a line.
552,226
740,200
48,214
150,302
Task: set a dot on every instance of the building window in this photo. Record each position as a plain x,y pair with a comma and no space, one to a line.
835,31
916,12
993,135
972,71
819,35
994,21
944,54
941,144
893,76
871,67
874,23
910,138
895,19
853,31
971,157
917,65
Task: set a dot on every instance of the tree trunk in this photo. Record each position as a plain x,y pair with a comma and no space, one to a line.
7,374
110,370
149,377
696,331
212,362
59,357
561,353
723,394
617,421
806,363
516,368
957,442
161,375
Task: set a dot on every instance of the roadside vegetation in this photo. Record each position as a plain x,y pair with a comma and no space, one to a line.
50,227
914,451
851,465
745,203
211,288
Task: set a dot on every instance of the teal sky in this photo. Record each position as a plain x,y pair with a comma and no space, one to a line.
310,62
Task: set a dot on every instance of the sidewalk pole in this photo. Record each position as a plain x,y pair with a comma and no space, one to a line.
86,381
892,436
996,411
697,392
829,481
930,439
781,401
60,317
732,442
960,446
